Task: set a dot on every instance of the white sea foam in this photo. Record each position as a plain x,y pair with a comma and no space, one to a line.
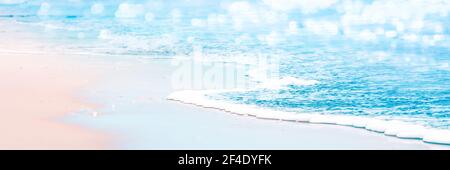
388,127
437,136
359,122
322,119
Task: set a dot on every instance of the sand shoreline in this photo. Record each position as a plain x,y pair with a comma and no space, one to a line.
143,118
130,97
37,90
402,130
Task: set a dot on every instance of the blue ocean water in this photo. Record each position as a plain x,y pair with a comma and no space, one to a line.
387,59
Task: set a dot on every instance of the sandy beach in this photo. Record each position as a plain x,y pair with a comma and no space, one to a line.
43,95
37,89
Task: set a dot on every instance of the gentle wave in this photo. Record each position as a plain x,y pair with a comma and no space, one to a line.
388,127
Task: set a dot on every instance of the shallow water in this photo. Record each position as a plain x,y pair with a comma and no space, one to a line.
368,58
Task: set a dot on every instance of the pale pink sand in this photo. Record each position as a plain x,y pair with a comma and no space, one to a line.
36,90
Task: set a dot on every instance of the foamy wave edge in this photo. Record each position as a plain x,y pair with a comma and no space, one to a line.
388,127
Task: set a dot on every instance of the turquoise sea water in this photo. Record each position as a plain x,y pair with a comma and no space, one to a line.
387,59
